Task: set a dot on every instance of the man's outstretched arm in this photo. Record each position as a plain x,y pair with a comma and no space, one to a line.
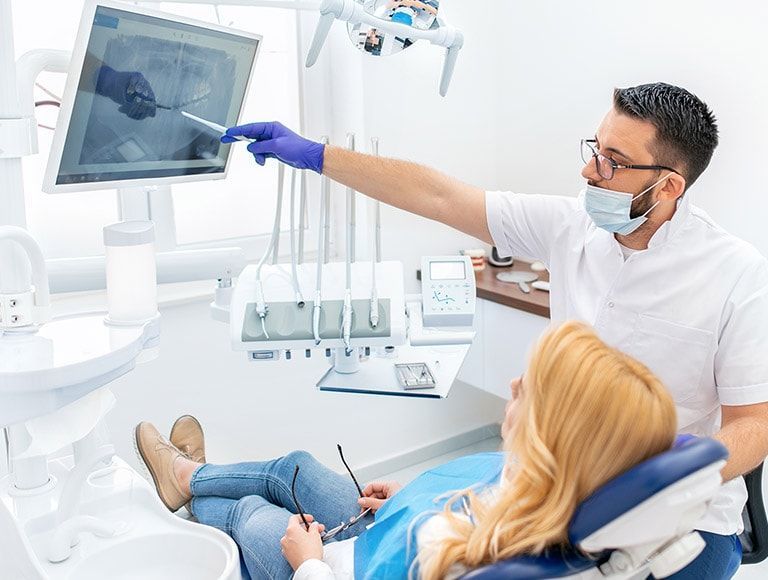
402,184
745,434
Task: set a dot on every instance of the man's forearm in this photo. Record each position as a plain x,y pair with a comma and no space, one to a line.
411,187
747,441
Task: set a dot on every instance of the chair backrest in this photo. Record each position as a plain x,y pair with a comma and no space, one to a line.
638,484
754,540
689,457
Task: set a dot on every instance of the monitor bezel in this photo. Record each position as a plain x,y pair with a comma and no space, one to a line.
70,92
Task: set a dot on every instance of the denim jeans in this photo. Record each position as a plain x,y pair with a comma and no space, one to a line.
252,503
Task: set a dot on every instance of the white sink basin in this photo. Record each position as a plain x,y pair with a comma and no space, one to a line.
157,545
161,557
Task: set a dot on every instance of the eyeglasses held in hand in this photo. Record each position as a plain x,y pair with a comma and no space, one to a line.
328,534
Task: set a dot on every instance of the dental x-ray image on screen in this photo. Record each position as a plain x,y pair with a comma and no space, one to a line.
139,73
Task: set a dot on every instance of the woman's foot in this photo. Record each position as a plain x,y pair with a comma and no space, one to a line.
161,459
183,469
187,436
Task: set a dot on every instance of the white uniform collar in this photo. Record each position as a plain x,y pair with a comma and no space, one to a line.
669,228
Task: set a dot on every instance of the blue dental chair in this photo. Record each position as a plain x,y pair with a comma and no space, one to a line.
754,540
640,523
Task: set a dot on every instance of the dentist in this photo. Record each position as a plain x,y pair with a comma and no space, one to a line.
632,256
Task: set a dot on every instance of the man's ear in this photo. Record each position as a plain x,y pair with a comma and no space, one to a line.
672,188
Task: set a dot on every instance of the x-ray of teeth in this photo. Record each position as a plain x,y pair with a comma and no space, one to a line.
139,73
180,76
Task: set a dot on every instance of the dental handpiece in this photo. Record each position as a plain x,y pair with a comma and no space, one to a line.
316,317
261,308
347,322
374,311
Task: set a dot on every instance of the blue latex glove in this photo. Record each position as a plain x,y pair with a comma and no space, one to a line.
130,90
273,140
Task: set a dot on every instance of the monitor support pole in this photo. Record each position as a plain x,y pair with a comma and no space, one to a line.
18,138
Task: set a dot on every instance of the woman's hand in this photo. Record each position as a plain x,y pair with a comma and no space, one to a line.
376,493
299,544
510,412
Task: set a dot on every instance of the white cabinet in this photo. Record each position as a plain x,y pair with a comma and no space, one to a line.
505,337
508,336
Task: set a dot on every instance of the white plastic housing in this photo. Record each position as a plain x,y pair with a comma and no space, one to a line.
277,288
131,274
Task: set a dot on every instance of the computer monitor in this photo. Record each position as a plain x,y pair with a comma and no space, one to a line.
133,72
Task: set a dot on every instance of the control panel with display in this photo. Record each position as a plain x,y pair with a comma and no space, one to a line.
448,290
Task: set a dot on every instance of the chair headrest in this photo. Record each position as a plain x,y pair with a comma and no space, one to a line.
621,494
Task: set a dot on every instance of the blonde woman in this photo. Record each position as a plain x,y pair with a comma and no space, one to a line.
582,414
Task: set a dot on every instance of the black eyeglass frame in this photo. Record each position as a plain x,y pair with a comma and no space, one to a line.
614,166
328,534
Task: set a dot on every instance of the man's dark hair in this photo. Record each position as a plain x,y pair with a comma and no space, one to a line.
686,129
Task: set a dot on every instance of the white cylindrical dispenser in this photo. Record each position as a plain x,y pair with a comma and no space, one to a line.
131,272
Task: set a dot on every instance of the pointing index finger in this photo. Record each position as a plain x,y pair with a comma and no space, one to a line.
260,131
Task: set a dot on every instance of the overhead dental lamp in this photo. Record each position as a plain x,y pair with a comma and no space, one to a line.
386,27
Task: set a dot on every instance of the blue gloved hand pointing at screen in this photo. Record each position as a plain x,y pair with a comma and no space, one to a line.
273,140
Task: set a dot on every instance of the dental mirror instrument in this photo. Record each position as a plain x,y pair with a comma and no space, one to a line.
211,125
519,278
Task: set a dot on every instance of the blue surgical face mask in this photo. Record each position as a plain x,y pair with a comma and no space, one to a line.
610,209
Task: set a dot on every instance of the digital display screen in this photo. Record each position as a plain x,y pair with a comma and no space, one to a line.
447,270
138,74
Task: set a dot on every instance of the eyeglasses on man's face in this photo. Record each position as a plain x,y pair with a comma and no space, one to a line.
328,534
606,167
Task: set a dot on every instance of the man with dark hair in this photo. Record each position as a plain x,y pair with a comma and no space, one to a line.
631,255
685,127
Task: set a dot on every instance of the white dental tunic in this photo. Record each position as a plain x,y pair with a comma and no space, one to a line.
693,307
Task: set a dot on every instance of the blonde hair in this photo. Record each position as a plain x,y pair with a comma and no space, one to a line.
586,413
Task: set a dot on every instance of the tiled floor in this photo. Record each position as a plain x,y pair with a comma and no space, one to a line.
754,572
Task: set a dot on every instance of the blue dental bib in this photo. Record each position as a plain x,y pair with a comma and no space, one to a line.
382,551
